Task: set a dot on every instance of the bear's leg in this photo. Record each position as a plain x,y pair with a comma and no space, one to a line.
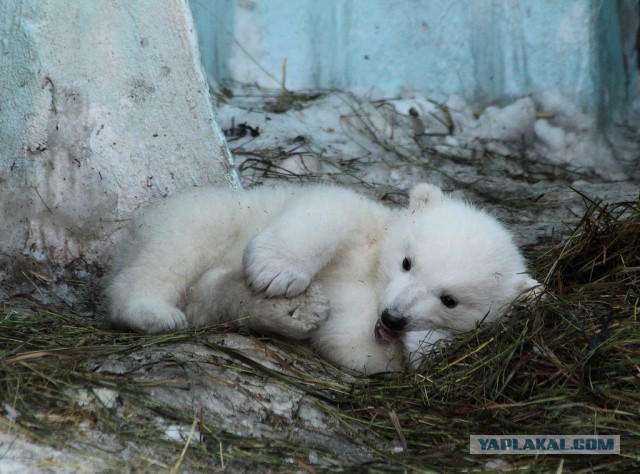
222,295
285,256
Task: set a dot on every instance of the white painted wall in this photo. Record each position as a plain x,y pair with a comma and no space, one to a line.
103,107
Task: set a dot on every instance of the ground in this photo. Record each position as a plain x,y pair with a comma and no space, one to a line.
78,397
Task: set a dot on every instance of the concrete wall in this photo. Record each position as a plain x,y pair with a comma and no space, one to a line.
485,51
103,106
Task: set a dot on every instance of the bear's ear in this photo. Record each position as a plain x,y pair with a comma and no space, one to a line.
423,194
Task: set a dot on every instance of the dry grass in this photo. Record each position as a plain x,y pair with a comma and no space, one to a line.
568,364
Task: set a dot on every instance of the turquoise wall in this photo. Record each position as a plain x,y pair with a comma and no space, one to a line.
485,51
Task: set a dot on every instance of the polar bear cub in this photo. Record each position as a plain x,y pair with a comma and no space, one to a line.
370,286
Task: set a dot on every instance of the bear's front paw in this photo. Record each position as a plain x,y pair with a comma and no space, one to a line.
266,270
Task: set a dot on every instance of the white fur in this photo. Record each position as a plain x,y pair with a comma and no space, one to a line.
217,255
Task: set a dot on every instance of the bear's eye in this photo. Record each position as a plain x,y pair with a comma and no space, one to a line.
406,264
448,301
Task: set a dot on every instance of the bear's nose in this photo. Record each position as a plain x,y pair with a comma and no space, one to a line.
393,320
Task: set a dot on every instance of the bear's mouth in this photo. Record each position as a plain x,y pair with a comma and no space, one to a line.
383,334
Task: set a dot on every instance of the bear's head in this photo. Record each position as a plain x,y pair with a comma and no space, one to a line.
447,266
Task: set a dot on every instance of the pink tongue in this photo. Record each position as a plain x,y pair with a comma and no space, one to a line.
383,334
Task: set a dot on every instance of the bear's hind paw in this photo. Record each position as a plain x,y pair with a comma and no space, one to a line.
297,318
153,318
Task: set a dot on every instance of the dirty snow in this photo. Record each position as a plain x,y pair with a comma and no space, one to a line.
545,128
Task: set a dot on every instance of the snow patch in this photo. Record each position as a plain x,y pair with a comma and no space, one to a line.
317,137
179,433
106,397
